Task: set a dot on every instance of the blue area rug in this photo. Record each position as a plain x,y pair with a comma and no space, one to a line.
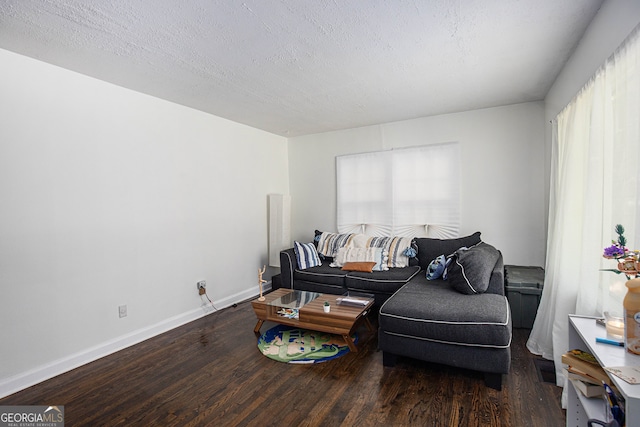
289,344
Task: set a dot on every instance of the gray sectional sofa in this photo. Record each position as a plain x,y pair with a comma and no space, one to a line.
464,321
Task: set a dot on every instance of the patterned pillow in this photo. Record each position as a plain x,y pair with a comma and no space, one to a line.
395,246
381,257
329,243
437,268
306,255
352,254
379,242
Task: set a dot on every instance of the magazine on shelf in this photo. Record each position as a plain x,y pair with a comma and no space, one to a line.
630,374
289,313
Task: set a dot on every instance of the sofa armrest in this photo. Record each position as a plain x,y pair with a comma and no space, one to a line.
288,264
496,282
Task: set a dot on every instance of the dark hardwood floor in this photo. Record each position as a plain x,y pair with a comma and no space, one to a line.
210,372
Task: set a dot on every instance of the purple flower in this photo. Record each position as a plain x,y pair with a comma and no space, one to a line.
613,251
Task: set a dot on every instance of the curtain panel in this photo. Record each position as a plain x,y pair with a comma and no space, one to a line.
594,186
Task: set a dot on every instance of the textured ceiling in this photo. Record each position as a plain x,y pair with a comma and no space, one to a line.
295,67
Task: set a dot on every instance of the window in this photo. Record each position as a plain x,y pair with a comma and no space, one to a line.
407,192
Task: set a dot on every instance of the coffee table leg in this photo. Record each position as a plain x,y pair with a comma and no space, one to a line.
350,343
256,330
369,325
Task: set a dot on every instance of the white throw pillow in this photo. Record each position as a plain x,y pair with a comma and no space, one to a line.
360,241
352,254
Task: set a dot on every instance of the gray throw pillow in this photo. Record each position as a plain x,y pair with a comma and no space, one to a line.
470,270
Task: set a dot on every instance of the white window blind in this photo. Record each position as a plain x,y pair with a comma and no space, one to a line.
411,192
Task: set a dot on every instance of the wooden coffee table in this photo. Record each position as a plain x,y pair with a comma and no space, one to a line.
341,320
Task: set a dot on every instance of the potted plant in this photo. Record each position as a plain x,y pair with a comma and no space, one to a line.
327,307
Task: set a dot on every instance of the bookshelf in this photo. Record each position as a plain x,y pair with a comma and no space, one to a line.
582,335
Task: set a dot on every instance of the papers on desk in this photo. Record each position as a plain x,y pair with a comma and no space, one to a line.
630,374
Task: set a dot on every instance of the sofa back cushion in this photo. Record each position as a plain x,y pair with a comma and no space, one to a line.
429,249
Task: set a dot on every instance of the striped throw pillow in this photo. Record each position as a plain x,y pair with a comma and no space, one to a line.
306,255
395,246
351,254
329,243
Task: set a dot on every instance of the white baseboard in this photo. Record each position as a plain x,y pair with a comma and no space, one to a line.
44,372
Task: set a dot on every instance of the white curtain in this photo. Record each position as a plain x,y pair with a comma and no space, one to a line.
410,192
594,186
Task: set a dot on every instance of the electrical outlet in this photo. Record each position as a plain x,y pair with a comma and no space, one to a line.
122,311
202,284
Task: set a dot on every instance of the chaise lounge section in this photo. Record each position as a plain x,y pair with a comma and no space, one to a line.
431,321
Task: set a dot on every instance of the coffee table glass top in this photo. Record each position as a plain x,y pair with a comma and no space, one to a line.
295,299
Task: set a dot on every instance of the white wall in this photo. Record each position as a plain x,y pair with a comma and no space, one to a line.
502,161
112,197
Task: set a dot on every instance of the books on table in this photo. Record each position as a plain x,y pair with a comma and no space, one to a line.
583,363
586,373
587,389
